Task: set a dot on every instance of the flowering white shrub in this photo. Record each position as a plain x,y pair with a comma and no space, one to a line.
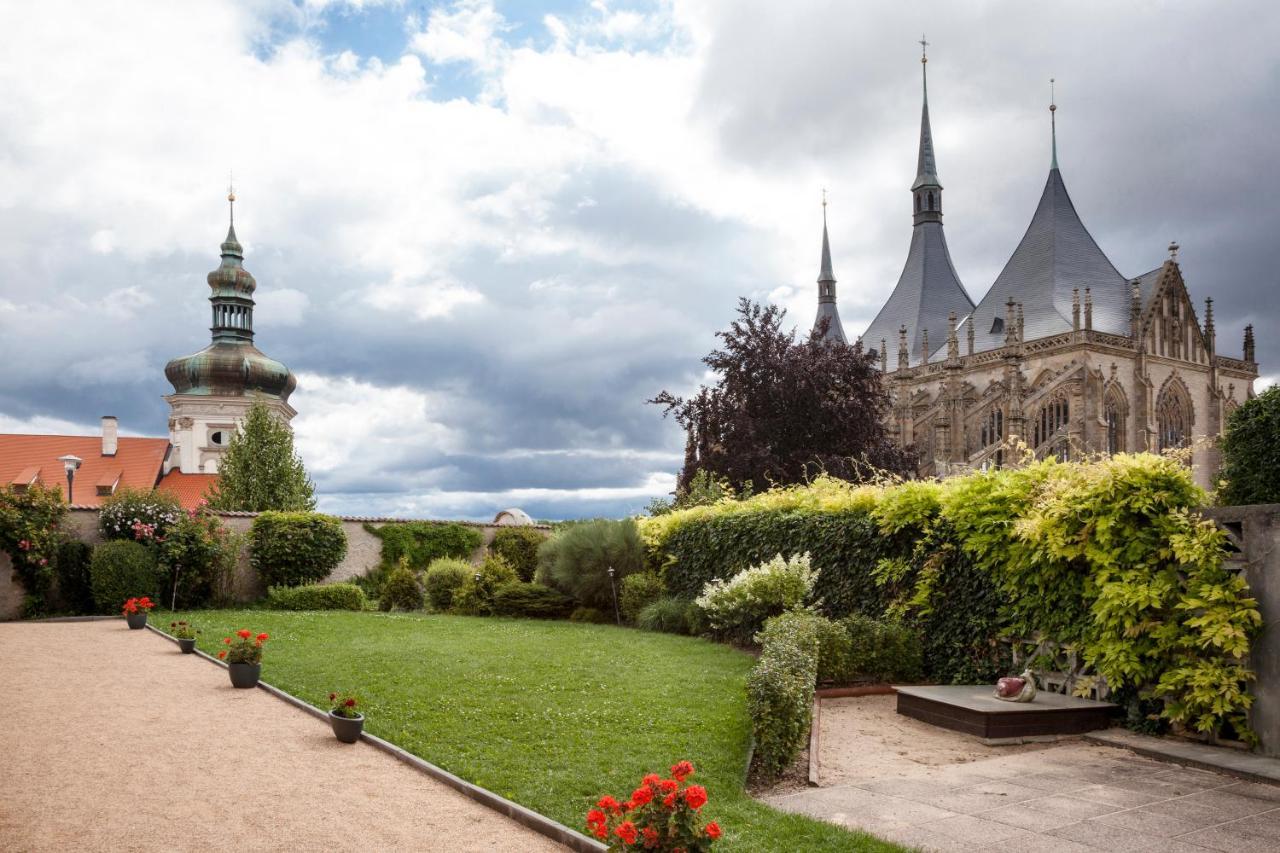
142,515
738,608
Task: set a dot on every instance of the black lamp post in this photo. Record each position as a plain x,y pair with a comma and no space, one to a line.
617,614
70,464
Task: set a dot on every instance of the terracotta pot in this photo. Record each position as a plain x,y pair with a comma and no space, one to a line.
187,644
137,620
244,674
347,729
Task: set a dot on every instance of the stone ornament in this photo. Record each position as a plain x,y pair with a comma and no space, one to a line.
1020,688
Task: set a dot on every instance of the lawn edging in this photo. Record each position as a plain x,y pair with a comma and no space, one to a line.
539,823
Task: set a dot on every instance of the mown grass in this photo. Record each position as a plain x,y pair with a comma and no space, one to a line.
548,714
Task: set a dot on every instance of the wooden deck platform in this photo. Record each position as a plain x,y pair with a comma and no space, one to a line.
974,711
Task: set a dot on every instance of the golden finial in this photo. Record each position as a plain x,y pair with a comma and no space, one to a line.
231,195
924,49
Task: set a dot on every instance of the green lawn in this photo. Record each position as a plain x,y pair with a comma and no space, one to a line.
548,714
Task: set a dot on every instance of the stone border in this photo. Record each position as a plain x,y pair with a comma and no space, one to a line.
1231,762
539,823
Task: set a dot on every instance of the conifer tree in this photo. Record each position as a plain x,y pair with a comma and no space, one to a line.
260,470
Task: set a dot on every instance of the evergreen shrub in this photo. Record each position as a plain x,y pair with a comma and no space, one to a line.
475,596
780,688
519,547
295,548
578,559
320,596
443,578
530,601
1251,452
75,583
401,590
861,648
120,570
638,591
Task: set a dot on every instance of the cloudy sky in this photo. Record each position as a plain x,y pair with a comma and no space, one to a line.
484,232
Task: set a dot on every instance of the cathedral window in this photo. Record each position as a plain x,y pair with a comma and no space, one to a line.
1173,418
931,201
917,202
992,432
1113,412
1049,421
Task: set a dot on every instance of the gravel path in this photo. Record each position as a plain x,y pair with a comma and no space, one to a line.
113,740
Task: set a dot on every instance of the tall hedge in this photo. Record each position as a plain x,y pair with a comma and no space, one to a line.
120,570
420,542
1251,453
295,548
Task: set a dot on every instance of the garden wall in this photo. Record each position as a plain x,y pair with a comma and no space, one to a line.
1255,537
363,551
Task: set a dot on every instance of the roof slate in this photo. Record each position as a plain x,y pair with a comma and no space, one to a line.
1057,255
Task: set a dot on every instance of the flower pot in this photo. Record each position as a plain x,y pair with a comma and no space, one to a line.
347,729
244,674
136,620
187,644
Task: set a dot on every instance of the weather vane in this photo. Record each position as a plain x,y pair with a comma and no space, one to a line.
924,49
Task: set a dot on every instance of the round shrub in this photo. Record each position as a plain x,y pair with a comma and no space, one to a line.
519,547
1250,452
320,596
668,615
590,616
444,577
401,590
637,592
577,561
737,610
121,570
475,596
294,548
530,601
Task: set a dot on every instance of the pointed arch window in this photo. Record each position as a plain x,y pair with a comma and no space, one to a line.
992,432
1049,422
917,202
1173,417
1113,415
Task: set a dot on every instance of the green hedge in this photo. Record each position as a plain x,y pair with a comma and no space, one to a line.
420,542
861,648
295,548
321,596
530,601
75,583
120,570
780,689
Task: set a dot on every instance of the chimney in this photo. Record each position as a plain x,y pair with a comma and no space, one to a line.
110,430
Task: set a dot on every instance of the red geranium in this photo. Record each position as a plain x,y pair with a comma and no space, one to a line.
646,823
245,649
244,633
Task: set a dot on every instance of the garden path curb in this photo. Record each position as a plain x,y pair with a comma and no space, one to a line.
539,823
1231,762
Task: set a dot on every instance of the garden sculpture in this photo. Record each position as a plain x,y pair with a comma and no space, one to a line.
1019,688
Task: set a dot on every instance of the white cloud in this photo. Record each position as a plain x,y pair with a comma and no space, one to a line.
427,301
281,306
469,32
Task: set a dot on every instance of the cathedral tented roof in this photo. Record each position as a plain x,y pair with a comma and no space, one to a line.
827,292
1057,256
926,293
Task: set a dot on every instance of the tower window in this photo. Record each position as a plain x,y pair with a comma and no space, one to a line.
931,201
219,438
917,202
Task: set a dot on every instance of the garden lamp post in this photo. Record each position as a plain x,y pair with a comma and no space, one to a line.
70,464
617,615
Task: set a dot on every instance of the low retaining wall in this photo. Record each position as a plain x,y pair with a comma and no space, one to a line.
364,550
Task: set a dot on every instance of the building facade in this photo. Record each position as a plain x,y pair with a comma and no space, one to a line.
1063,354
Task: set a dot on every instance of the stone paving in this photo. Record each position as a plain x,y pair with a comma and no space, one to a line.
1069,796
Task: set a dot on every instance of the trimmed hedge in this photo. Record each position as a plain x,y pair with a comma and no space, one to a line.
320,596
519,547
530,601
120,570
75,583
861,647
295,548
420,542
780,688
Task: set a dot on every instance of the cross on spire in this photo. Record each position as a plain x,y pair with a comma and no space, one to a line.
1053,122
231,195
924,49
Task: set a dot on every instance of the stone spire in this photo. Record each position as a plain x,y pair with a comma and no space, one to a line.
1248,344
1210,334
827,288
926,190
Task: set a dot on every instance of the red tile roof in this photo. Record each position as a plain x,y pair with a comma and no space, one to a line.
190,488
137,463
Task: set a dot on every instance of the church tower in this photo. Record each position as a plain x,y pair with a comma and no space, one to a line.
214,388
827,289
929,291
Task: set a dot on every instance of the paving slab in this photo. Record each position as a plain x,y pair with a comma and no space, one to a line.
115,741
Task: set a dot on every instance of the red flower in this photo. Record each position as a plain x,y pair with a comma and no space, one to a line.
695,796
713,830
244,633
670,800
608,802
681,770
222,654
596,816
651,779
669,786
601,832
650,837
262,638
350,703
626,831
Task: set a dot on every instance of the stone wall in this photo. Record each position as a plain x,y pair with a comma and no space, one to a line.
363,552
1255,540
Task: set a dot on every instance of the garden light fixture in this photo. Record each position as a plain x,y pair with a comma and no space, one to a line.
70,463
